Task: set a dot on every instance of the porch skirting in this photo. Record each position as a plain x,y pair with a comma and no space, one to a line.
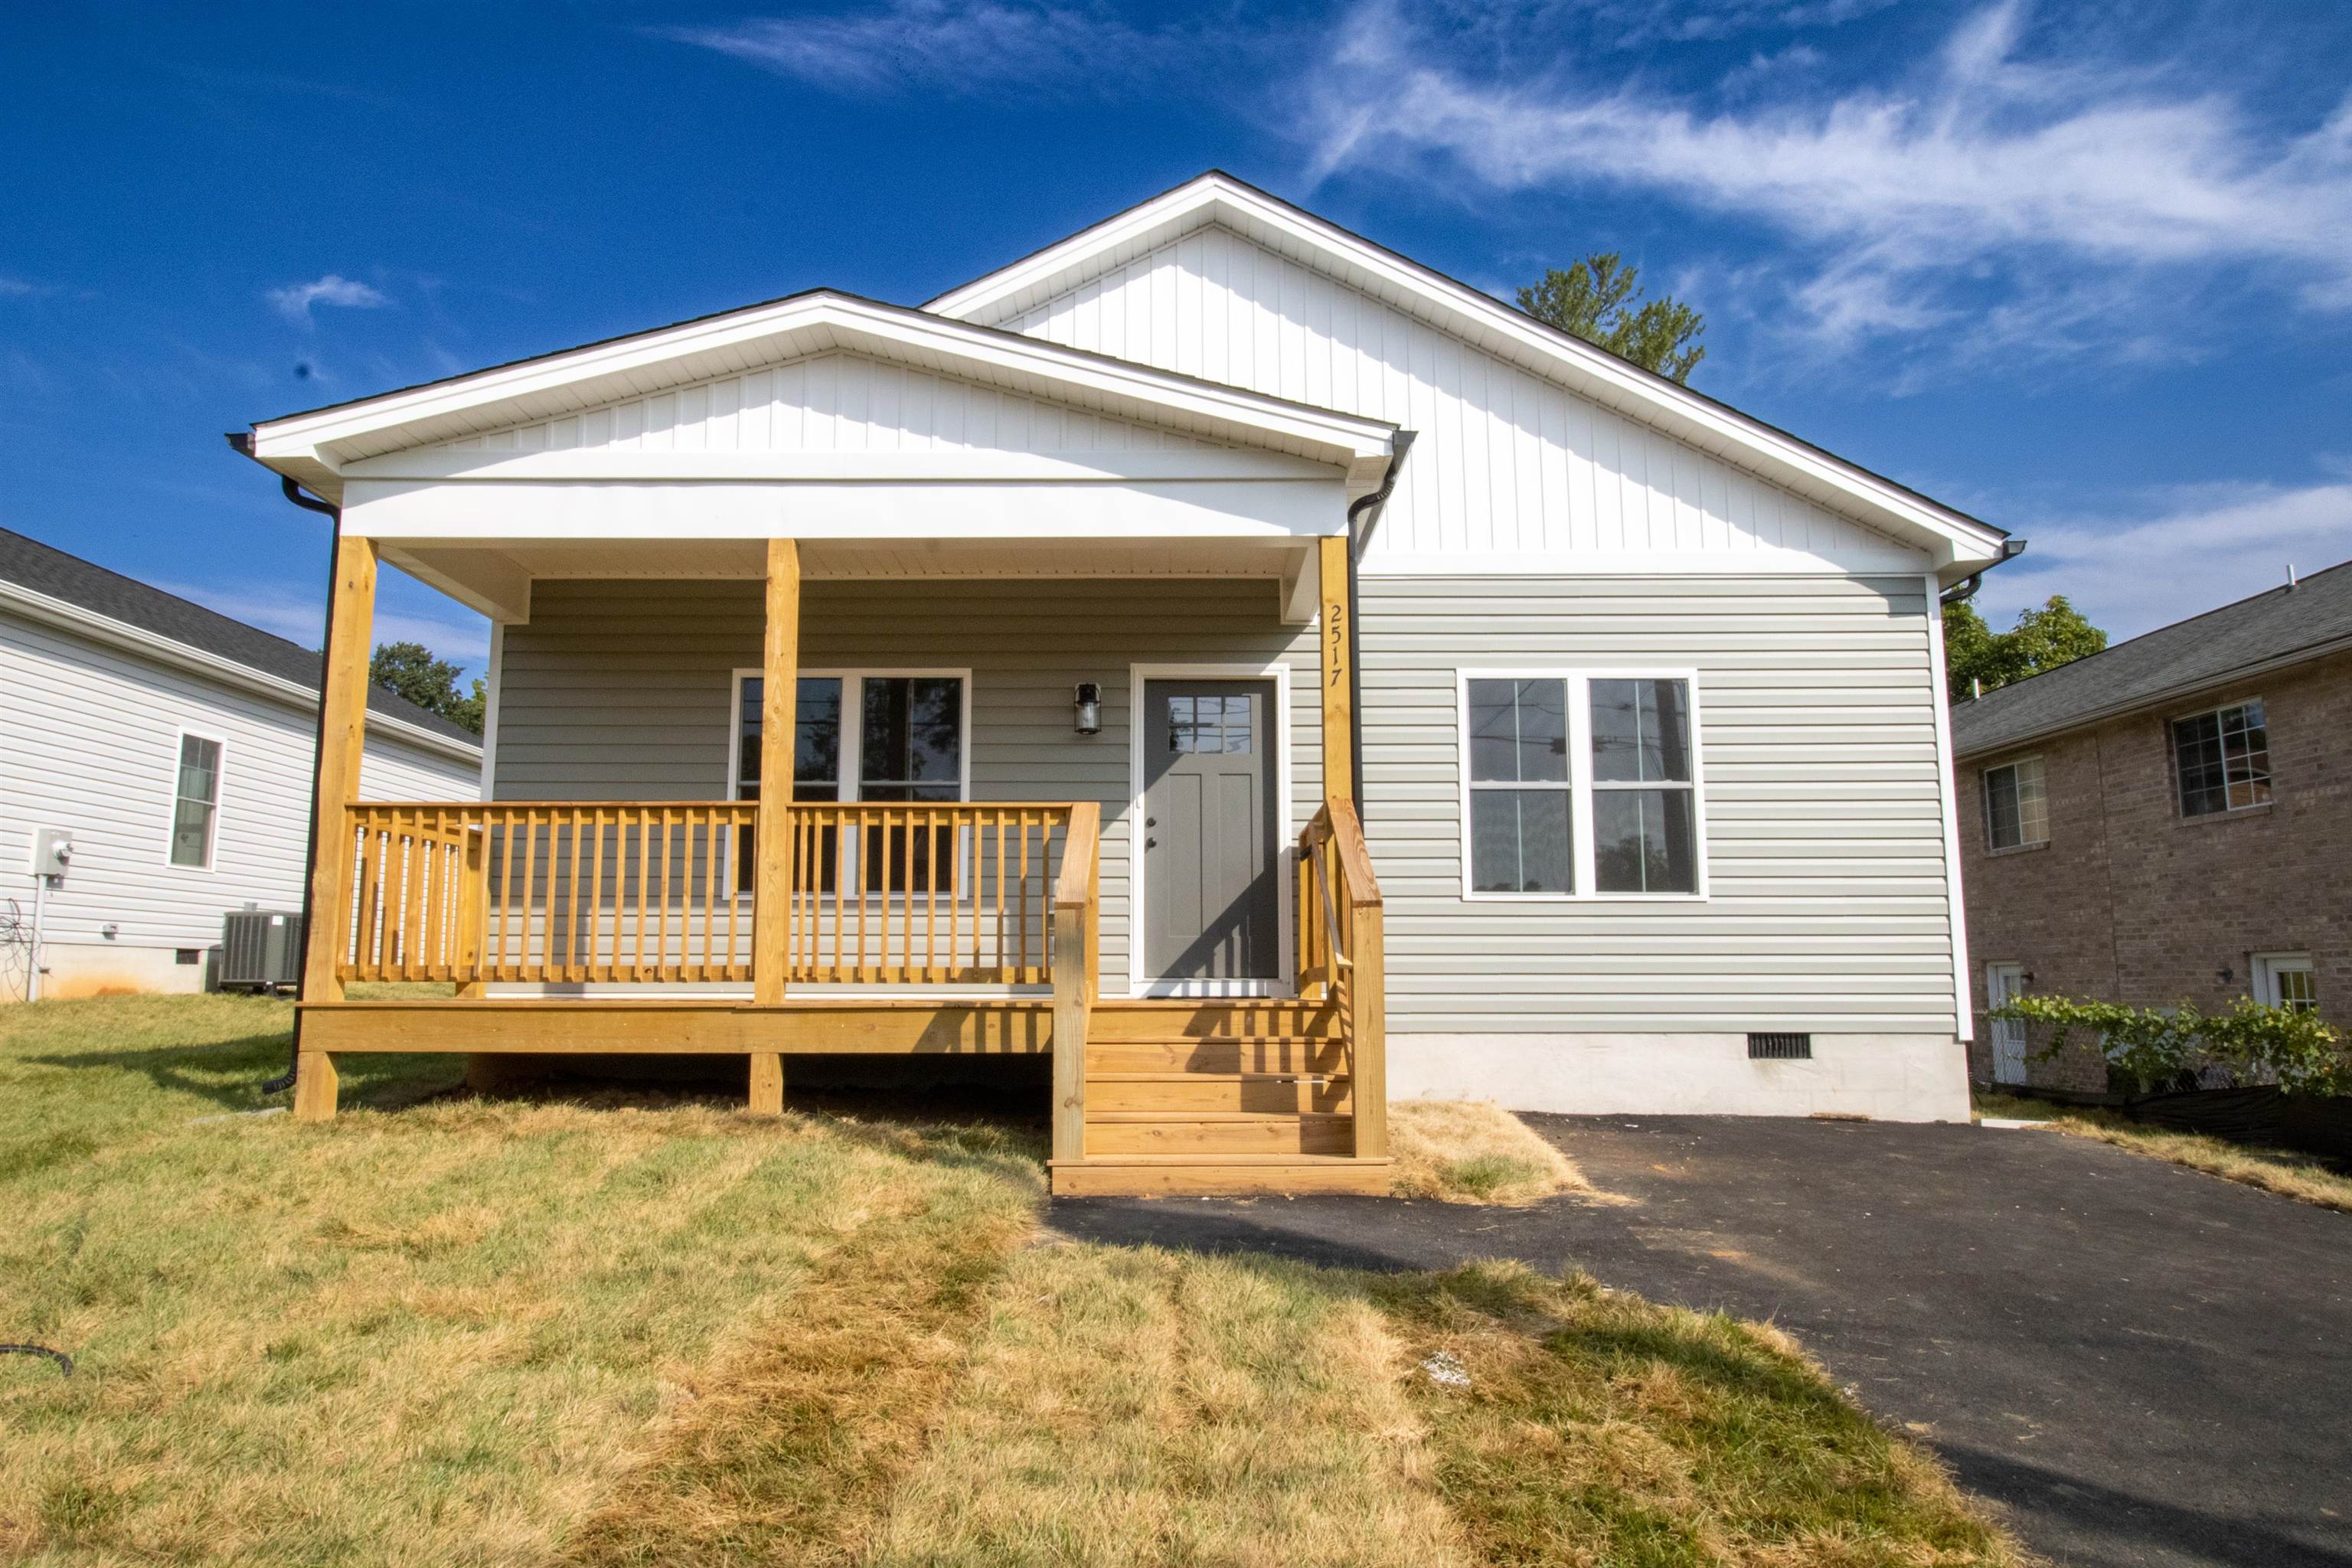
1889,1078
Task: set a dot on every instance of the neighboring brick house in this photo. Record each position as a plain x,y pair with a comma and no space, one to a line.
2168,820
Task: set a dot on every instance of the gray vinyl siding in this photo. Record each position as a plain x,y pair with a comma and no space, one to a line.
620,690
1828,907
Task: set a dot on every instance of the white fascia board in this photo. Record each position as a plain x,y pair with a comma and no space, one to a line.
855,325
1757,562
1959,544
422,513
139,640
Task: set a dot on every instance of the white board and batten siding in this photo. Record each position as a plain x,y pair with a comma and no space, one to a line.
1506,464
832,403
89,741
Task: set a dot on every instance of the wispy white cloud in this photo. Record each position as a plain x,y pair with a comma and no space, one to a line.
964,47
294,301
2188,550
2059,181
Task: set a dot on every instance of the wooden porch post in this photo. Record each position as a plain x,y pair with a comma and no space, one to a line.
343,717
772,883
1339,673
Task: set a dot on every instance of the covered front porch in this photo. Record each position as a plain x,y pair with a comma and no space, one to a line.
947,916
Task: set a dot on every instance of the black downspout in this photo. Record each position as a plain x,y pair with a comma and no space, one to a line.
1962,591
293,493
1356,541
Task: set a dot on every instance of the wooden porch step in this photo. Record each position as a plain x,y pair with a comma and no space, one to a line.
1236,1020
1184,1093
1217,1133
1293,1055
1167,1176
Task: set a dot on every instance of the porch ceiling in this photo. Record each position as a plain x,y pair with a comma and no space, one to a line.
496,577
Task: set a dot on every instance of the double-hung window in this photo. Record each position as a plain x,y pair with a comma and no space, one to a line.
1580,783
2017,813
2221,760
884,736
195,803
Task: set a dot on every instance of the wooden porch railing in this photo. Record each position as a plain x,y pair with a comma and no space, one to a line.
624,893
1341,958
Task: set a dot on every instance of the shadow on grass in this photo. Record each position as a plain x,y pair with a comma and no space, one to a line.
230,1073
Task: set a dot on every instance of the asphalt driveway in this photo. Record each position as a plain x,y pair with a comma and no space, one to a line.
2141,1364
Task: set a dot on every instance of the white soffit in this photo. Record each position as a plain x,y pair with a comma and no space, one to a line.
317,448
1485,324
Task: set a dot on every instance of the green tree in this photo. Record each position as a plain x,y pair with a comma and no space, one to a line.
1978,657
411,669
1597,301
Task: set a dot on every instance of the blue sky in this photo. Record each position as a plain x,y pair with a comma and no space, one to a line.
2085,271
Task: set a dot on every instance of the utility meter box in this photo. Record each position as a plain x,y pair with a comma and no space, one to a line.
52,851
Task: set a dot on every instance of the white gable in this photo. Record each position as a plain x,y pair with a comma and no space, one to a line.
1508,463
832,403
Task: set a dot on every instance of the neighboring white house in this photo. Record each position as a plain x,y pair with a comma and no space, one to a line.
174,744
1229,530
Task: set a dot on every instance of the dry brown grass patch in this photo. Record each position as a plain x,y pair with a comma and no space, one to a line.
2280,1170
1470,1152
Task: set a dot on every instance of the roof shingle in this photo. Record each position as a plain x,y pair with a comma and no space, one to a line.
2277,626
46,570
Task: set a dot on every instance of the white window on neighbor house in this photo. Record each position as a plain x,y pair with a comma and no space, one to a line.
196,805
2016,812
2285,980
2221,760
865,735
1580,783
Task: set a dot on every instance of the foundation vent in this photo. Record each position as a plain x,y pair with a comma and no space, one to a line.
1779,1047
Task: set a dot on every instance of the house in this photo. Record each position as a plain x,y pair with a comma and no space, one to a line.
174,745
1263,673
2169,820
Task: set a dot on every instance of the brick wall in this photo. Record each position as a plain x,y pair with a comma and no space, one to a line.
2131,901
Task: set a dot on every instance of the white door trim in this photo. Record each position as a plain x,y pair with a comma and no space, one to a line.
1286,848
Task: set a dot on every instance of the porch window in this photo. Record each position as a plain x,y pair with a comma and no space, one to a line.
2221,760
868,736
195,802
1580,785
2017,813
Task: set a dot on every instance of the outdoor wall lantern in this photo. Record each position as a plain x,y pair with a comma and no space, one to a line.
1087,706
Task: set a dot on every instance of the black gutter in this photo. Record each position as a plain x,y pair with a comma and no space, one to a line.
1961,593
243,441
1368,509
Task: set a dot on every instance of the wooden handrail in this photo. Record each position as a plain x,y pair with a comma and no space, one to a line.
1077,919
1341,959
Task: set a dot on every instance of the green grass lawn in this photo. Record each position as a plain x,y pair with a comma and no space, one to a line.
636,1328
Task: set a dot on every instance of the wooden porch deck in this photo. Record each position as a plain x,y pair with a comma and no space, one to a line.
634,904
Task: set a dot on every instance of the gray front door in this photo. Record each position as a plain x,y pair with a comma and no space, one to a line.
1210,864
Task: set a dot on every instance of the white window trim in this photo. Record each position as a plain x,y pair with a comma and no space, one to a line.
220,800
1286,835
2268,966
852,703
1984,804
1580,791
2172,759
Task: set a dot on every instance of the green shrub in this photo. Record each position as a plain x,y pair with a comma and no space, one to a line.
2148,1046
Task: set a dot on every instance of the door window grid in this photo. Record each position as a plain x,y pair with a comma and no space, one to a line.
1628,824
1209,725
195,802
2221,760
2017,811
